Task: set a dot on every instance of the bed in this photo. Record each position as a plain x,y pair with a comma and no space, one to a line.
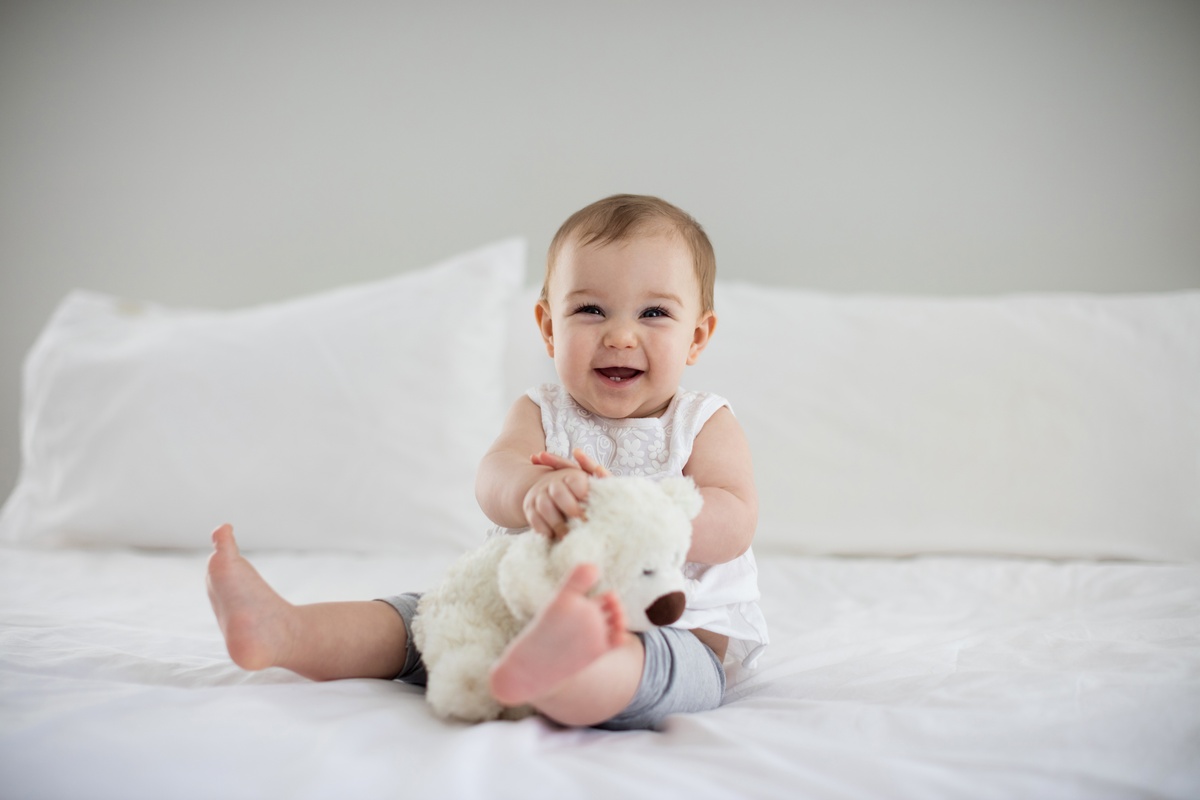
978,545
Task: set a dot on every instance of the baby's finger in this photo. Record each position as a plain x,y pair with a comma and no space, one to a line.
550,530
590,465
551,514
565,499
540,526
533,516
544,459
560,531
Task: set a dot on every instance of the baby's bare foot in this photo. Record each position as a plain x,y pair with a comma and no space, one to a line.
570,633
253,618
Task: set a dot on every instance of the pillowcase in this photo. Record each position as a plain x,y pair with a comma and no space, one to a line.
1056,426
348,420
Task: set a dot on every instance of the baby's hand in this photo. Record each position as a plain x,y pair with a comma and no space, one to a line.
559,495
582,461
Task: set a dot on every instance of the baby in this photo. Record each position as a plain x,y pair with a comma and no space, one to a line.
626,304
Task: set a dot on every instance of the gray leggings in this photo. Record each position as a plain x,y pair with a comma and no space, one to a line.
681,673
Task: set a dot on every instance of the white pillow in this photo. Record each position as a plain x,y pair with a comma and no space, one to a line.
1059,426
349,420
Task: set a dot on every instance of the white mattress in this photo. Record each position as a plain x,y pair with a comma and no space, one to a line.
930,677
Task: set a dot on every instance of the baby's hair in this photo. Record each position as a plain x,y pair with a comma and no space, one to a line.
624,216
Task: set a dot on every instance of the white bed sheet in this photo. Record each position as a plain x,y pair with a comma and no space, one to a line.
928,677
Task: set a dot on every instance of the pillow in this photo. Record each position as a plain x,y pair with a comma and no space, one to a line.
349,420
1056,426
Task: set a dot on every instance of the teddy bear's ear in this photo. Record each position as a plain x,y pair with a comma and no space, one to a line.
683,493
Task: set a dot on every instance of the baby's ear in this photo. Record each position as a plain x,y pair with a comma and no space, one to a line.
683,493
545,323
700,336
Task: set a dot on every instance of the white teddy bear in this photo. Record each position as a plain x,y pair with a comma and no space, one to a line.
637,531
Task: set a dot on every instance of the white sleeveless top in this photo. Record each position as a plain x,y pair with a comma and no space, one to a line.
722,598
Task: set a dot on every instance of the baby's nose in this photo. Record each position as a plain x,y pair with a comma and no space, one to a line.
620,336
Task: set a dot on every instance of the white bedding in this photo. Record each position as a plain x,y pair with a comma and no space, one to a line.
982,435
926,677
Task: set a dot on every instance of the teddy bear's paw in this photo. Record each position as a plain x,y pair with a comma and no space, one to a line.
467,707
516,713
458,687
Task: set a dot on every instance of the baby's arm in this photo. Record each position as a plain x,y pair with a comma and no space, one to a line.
721,468
515,490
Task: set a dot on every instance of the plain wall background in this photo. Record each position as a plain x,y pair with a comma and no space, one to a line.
219,154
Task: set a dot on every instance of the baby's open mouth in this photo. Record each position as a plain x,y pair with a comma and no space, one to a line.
619,374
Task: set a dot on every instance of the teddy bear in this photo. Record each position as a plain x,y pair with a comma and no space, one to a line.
636,530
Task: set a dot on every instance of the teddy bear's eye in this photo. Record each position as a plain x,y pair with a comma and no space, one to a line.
649,573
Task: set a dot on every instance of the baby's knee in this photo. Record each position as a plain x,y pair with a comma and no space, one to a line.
681,676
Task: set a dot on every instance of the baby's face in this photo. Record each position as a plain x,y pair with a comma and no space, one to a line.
622,320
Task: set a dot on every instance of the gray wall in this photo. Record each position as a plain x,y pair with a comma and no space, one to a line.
218,154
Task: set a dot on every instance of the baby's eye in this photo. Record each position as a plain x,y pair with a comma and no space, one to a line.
649,573
588,309
657,311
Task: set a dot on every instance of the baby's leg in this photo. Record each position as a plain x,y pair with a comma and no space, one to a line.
322,641
575,663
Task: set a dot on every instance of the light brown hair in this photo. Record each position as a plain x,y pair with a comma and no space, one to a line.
624,216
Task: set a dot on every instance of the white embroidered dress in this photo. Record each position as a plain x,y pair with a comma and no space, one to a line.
722,598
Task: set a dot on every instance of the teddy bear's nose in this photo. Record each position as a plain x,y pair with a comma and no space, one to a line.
666,609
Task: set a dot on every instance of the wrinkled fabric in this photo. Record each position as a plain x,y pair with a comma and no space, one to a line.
925,677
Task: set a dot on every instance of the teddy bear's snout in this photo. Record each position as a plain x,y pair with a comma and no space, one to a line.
666,609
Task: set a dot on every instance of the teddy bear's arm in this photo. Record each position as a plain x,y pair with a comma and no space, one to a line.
524,575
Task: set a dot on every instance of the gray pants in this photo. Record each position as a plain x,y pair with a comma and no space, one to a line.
681,673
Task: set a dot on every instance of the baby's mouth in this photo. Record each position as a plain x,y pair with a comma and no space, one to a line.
619,374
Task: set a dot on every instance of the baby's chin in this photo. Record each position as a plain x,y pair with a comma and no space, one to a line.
622,408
